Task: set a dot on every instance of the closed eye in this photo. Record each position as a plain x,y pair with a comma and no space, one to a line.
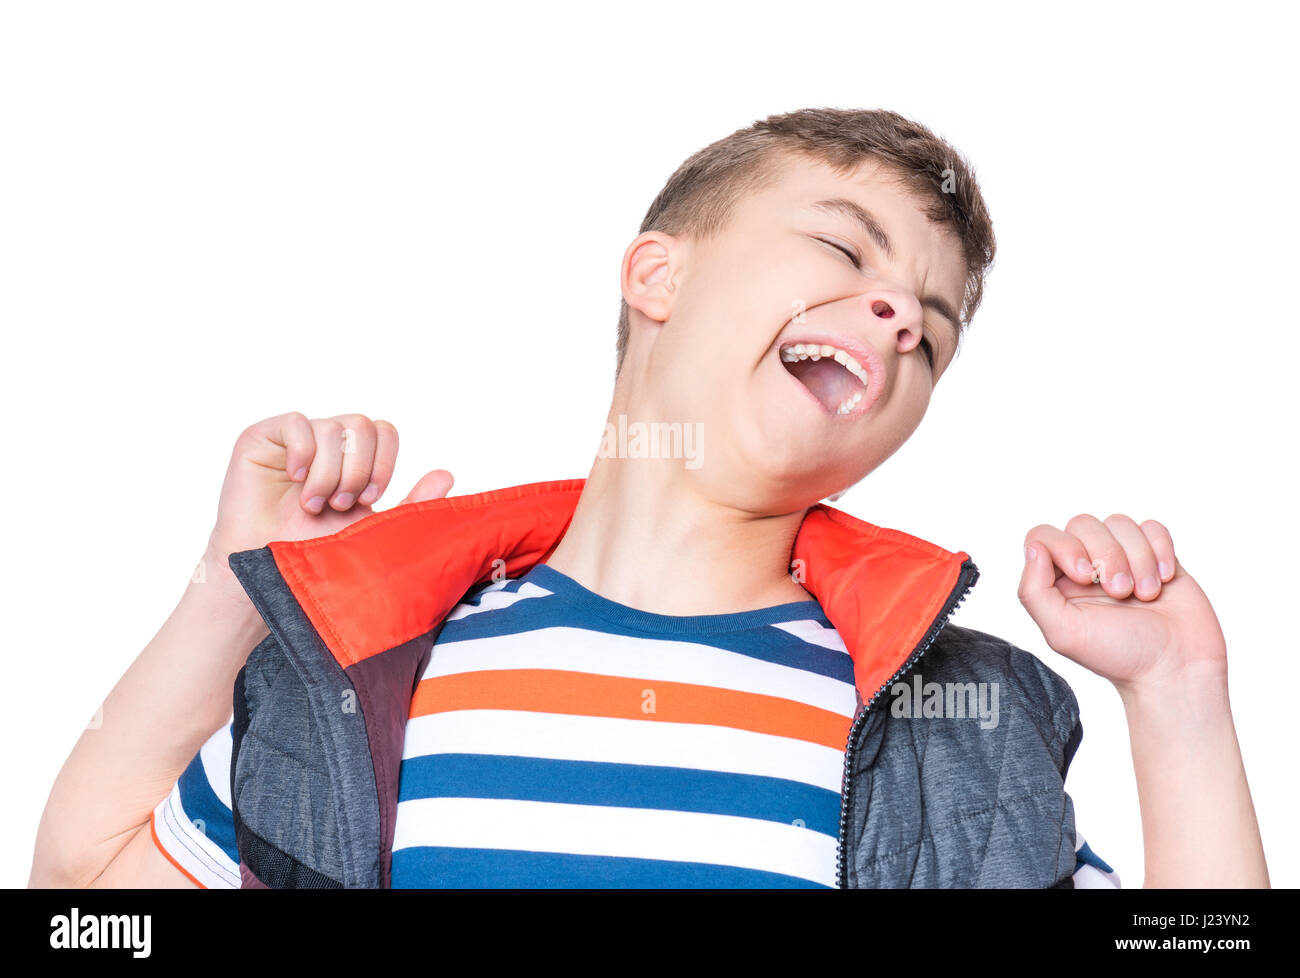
929,350
843,251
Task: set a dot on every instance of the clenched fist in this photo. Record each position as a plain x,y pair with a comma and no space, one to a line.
291,478
1113,596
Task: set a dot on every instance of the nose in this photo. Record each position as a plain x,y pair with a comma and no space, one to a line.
897,310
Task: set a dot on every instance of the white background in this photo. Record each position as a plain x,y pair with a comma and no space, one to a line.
213,213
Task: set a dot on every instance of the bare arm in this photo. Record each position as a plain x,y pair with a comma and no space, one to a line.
141,864
1198,821
289,478
173,697
1113,596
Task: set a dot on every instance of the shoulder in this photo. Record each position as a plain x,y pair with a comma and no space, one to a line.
1025,685
968,757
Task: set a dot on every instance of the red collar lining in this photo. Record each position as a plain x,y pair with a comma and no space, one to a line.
394,575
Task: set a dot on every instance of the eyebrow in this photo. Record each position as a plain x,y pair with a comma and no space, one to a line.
855,212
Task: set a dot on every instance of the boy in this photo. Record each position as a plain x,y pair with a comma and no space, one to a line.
677,672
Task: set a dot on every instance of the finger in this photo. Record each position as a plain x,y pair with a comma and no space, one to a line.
432,485
1038,592
1162,545
358,450
1066,552
326,465
1137,551
1105,553
291,432
381,473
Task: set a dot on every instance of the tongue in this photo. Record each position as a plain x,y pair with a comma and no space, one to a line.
829,382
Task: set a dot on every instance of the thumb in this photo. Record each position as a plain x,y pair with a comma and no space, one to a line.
1038,592
432,485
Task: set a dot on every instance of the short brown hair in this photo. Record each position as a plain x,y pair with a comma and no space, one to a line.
698,199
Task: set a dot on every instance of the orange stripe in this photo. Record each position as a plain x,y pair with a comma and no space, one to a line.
585,694
156,841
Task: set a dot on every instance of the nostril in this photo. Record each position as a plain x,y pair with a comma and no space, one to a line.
882,309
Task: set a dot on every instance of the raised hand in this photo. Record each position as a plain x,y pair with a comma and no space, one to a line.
291,478
1112,596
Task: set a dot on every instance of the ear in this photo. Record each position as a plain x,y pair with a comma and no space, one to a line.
650,267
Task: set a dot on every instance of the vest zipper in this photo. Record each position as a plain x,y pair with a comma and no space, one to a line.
965,581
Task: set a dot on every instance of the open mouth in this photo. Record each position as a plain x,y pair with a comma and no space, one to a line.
835,378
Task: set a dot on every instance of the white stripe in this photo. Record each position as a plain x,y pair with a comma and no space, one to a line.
648,659
492,599
601,830
815,633
186,844
1088,876
215,756
617,740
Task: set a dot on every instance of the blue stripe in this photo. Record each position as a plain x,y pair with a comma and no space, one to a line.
1084,856
437,866
621,785
587,603
761,642
475,594
201,803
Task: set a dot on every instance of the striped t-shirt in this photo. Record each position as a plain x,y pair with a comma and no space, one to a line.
559,739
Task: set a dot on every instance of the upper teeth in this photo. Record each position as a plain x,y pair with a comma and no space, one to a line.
815,351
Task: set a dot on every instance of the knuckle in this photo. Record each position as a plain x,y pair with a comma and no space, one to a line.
357,428
328,427
1080,521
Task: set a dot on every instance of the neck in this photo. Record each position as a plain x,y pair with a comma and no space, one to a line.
641,536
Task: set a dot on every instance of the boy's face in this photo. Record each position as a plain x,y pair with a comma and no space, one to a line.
715,327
